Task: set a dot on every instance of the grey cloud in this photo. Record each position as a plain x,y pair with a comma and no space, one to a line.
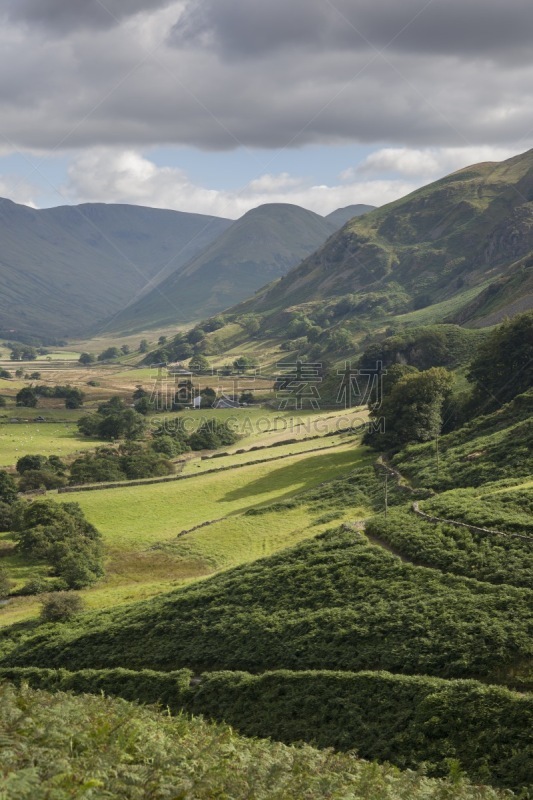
307,78
67,15
248,27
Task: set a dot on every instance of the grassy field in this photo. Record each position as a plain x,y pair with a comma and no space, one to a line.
47,438
140,525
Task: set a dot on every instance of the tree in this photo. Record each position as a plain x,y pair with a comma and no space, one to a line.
143,406
143,346
199,363
86,359
4,373
412,408
162,340
503,366
31,462
243,363
74,398
126,349
211,435
3,402
61,607
8,488
34,479
109,354
60,535
196,335
27,397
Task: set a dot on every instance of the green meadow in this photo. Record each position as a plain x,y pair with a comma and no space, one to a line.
140,524
47,438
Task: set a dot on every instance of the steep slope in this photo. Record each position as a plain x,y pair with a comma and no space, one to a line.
469,230
343,215
260,247
64,269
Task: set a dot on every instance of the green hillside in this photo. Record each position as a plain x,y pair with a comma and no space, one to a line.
335,602
61,746
458,250
63,270
260,247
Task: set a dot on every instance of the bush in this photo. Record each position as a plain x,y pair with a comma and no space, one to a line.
213,434
60,535
61,607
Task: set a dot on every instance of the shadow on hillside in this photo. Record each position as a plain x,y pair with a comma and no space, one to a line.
298,477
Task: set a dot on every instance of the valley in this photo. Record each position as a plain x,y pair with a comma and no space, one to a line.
306,515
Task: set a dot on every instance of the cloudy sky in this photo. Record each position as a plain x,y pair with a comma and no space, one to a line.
217,106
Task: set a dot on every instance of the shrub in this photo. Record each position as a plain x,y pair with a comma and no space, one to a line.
61,607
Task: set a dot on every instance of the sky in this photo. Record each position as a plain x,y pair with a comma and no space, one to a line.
218,106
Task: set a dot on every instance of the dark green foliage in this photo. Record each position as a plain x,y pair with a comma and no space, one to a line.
61,607
130,462
400,719
407,721
34,479
60,535
109,354
86,359
27,397
7,516
503,366
74,399
494,447
426,347
412,409
332,603
168,446
4,373
21,352
457,550
3,402
8,488
211,435
104,747
113,421
38,462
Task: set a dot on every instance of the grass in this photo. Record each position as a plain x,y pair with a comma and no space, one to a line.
140,525
47,438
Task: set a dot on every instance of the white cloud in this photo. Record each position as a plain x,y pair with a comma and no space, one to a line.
18,190
129,177
429,163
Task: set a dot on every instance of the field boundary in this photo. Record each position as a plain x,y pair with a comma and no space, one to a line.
94,487
475,528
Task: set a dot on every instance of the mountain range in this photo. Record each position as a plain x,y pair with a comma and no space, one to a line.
63,269
69,270
462,246
260,247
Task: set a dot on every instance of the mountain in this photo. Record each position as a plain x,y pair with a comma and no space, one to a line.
462,246
62,270
260,247
343,215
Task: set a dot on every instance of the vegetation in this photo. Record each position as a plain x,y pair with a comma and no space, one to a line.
412,408
460,551
60,535
130,462
126,751
331,603
61,607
